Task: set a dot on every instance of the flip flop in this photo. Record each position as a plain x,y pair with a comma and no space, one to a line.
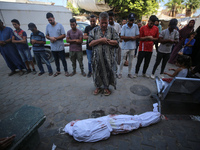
41,73
67,74
56,74
97,91
107,92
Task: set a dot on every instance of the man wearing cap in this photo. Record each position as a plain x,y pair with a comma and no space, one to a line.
129,34
148,35
9,51
55,33
37,39
167,38
20,40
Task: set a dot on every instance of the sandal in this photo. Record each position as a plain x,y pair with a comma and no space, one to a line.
13,72
41,73
73,73
107,92
97,91
56,74
66,74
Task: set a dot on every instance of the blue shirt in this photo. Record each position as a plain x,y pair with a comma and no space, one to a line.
188,49
39,36
19,36
127,31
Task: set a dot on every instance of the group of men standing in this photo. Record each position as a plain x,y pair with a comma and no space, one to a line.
105,43
15,50
103,49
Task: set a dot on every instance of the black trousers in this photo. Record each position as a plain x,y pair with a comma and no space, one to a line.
156,46
147,57
161,56
61,55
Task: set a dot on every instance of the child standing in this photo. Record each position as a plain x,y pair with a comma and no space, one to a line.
184,64
189,42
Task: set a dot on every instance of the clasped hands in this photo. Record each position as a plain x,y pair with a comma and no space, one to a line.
2,43
52,39
107,41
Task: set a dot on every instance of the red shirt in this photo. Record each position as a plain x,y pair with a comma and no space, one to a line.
146,31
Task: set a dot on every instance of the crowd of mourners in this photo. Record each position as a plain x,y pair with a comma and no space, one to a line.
109,44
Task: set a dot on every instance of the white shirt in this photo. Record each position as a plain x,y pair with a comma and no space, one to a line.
116,26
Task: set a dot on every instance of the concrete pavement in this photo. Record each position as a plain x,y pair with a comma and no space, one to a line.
64,99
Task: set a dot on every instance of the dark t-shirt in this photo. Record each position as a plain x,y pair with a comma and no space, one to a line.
75,35
38,36
19,36
87,30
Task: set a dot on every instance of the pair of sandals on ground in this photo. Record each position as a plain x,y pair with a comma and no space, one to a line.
71,74
106,92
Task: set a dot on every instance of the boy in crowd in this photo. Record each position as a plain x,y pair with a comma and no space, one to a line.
37,39
75,38
20,39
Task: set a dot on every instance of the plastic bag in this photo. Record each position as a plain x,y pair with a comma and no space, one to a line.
181,51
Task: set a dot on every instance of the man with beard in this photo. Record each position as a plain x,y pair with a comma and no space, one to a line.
103,39
56,33
129,34
117,27
148,35
160,29
75,39
93,20
167,38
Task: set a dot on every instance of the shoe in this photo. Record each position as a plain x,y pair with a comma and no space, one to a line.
13,72
120,76
161,76
50,74
152,76
41,73
83,73
130,76
135,75
73,73
21,73
145,75
89,74
28,71
34,72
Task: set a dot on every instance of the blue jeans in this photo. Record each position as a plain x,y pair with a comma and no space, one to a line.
89,57
25,55
61,55
39,56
